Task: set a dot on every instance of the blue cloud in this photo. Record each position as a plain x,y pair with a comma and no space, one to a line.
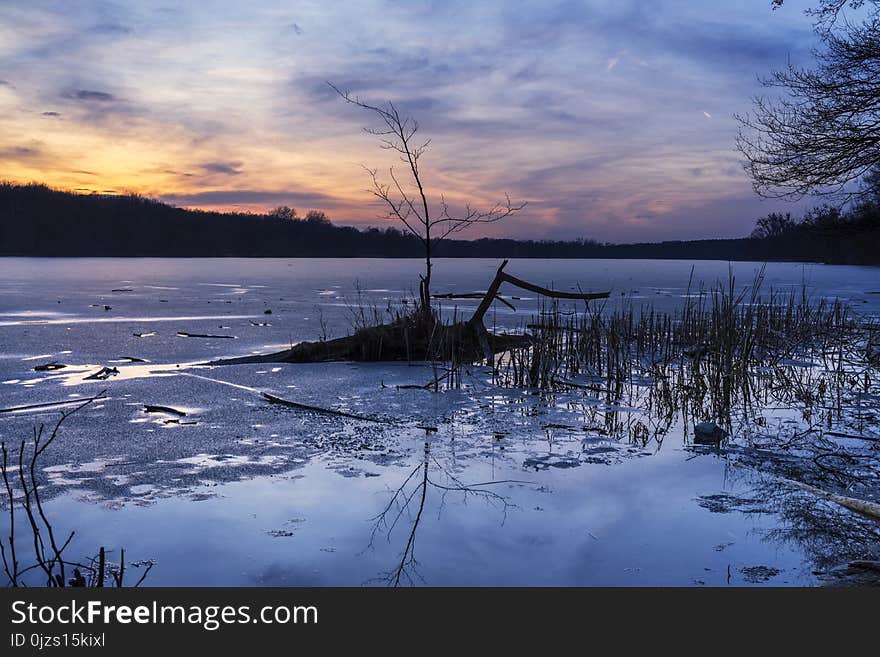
87,95
228,168
251,197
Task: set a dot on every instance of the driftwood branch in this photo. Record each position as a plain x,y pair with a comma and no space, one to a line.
862,507
471,295
503,277
318,409
27,407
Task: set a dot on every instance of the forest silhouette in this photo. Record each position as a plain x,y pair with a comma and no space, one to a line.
36,220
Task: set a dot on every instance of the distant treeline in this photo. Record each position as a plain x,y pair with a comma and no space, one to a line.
38,221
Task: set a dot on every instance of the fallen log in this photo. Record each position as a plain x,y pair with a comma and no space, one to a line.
417,336
862,507
182,334
390,342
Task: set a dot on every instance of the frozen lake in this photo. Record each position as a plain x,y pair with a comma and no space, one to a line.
511,489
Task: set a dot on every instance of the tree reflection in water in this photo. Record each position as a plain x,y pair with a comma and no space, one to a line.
409,500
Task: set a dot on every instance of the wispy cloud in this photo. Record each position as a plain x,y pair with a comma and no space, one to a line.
111,28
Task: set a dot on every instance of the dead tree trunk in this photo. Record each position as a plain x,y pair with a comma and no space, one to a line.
475,323
503,277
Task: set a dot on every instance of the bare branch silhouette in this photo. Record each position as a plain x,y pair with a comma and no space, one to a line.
822,134
403,501
412,208
48,549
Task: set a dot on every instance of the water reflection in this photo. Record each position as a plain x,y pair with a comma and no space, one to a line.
409,500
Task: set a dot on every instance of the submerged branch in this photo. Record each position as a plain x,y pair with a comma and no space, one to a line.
318,409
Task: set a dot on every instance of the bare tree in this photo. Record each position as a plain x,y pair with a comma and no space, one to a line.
407,201
773,225
827,12
823,132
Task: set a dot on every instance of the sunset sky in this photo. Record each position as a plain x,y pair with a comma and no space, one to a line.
613,119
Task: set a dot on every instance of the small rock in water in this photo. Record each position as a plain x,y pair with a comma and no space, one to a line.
708,433
267,312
